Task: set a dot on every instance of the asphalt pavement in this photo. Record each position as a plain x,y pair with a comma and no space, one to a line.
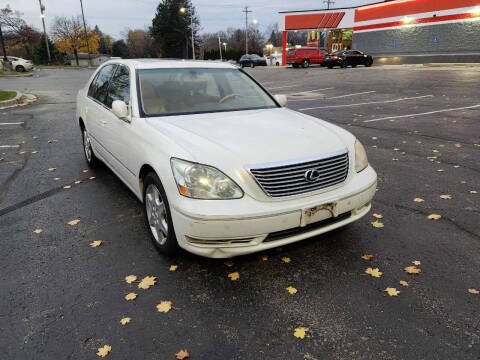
62,299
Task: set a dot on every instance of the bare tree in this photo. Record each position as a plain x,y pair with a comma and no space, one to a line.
68,34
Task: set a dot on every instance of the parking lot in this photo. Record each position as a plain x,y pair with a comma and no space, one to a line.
62,299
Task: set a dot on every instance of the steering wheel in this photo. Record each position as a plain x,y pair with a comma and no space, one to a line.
229,96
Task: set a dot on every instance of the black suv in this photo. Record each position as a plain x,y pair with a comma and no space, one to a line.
252,60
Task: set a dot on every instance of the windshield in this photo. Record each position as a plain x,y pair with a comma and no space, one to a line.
187,91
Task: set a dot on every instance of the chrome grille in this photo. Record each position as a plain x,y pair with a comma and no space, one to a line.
289,179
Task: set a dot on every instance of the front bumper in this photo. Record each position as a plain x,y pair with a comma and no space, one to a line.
266,225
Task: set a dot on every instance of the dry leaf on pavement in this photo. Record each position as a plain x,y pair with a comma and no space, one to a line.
37,231
52,169
164,306
77,182
473,291
378,216
300,332
377,224
67,186
367,257
473,192
147,281
92,177
286,259
264,257
412,270
446,197
291,290
416,262
96,243
173,267
103,351
85,171
434,216
234,276
125,320
182,354
373,272
73,222
418,200
56,179
130,296
130,278
403,283
392,291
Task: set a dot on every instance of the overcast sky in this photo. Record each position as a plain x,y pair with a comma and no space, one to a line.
113,16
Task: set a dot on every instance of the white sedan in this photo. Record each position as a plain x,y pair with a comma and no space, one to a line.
220,165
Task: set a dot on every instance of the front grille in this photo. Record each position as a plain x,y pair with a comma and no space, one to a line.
290,179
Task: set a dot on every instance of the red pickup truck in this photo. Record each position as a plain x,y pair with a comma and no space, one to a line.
305,56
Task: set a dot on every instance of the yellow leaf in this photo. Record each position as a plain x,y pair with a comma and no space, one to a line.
377,224
73,222
125,320
164,306
396,149
378,216
286,259
37,231
394,159
77,182
373,272
434,216
67,186
300,332
234,276
392,291
147,281
291,290
374,138
416,262
92,177
182,354
52,169
412,270
22,152
130,278
440,170
51,141
228,263
85,171
56,179
473,291
403,283
435,151
96,243
418,200
103,351
173,267
34,152
264,257
367,257
446,197
130,296
456,166
473,192
458,145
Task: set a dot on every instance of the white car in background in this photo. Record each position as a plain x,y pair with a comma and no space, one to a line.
274,60
220,165
19,64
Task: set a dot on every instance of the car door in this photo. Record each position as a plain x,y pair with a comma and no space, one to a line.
96,111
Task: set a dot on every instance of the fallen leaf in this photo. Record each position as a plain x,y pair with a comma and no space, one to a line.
473,291
173,267
50,141
182,354
147,281
130,278
374,138
396,149
77,182
1,159
22,152
434,216
458,145
92,177
264,257
34,152
394,159
377,224
435,151
367,257
403,283
291,290
85,171
446,197
286,259
234,276
103,351
300,332
392,291
125,320
412,270
67,186
96,243
228,263
456,166
52,169
416,262
473,192
73,222
463,182
373,272
37,231
418,200
56,179
130,296
164,306
440,170
378,216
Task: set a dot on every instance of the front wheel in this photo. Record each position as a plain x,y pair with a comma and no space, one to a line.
252,65
330,66
305,63
92,160
368,64
20,68
277,64
157,215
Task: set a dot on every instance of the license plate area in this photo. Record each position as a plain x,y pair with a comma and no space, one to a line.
318,213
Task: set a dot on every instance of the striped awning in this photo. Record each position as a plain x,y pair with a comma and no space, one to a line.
313,21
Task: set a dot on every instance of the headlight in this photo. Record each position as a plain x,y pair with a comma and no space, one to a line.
361,161
203,182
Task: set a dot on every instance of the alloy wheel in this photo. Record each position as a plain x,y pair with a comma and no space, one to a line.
87,146
156,214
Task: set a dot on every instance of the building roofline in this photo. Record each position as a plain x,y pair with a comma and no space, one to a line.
342,8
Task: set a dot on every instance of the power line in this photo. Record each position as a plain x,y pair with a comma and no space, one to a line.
328,2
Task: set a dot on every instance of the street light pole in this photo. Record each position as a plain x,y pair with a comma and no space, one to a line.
193,42
86,35
220,48
42,15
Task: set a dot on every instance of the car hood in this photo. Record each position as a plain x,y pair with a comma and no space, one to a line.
250,137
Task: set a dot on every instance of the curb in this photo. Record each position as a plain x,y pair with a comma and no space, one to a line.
19,76
11,102
19,100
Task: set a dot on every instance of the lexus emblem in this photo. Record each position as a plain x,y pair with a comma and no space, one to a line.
312,175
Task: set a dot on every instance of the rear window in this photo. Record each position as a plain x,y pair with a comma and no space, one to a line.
291,52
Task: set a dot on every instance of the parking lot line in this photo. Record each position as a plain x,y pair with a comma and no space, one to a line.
281,87
9,146
367,103
425,113
347,95
13,123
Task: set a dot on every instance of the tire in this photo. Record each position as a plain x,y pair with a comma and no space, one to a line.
277,64
19,68
252,65
157,216
368,64
330,66
92,160
343,65
242,65
354,65
305,63
295,65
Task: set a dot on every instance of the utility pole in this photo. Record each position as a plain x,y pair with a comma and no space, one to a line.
5,59
246,11
42,15
220,48
86,35
328,2
193,42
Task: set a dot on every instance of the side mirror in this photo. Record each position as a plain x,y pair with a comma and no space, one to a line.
281,99
120,109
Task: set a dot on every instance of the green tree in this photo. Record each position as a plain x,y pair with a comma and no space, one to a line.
120,49
171,28
40,52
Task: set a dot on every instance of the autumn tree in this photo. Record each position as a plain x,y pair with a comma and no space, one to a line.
69,36
139,43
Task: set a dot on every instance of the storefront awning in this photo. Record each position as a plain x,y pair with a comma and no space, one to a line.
314,21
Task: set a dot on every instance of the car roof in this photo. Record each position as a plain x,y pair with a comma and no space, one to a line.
171,63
